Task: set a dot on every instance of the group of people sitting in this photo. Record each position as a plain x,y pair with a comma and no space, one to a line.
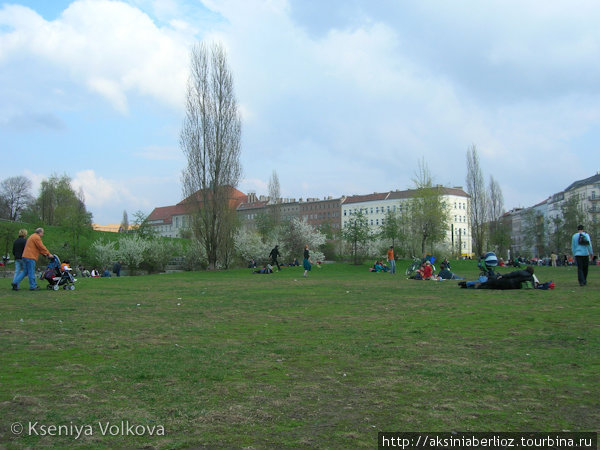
94,273
489,279
379,266
426,272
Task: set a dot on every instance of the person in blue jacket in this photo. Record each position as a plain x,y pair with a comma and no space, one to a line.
581,247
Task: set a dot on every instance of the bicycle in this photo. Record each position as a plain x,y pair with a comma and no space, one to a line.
412,267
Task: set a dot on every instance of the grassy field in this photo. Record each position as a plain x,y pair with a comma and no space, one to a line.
233,359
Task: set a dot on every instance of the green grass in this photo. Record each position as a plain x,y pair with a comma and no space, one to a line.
232,359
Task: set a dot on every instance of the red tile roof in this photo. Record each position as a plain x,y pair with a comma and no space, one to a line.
235,197
255,205
366,198
166,213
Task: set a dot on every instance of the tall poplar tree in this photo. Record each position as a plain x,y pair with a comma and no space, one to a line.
478,209
211,141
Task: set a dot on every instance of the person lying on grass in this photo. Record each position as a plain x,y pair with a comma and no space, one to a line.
511,280
265,269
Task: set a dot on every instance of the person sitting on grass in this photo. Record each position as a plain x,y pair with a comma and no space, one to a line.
426,271
378,266
445,274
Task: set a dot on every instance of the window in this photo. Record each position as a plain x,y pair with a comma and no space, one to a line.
377,222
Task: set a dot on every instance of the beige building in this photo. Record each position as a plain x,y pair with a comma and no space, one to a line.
377,205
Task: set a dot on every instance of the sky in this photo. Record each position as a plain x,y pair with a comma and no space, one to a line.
338,97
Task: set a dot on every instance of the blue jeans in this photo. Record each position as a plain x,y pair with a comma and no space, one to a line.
472,284
19,267
392,265
29,265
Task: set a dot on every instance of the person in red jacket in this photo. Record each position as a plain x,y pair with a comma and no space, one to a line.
426,271
33,249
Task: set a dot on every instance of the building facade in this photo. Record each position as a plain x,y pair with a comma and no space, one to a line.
376,206
587,194
174,221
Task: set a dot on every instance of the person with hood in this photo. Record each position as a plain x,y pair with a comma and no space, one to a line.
33,249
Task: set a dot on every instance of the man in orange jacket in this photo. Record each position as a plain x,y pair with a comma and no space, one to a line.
33,249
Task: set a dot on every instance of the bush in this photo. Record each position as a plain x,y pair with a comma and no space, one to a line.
103,253
131,251
195,256
158,253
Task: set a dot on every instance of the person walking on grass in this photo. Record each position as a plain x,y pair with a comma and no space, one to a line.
33,249
274,255
391,260
581,247
18,247
307,262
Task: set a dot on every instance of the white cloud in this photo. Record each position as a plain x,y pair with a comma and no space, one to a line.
160,153
110,47
101,191
350,109
255,185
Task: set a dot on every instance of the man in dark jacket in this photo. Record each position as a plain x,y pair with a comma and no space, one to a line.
18,247
510,280
274,255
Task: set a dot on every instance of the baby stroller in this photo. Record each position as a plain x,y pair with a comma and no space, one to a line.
57,277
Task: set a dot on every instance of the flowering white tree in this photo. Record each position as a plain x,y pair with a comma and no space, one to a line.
131,251
103,253
297,233
158,254
249,245
291,237
195,256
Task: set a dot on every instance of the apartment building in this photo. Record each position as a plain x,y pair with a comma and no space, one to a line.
376,206
172,221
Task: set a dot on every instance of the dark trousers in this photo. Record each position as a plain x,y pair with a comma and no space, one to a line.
583,263
275,263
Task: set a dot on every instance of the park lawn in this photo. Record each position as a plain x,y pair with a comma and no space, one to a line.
233,359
